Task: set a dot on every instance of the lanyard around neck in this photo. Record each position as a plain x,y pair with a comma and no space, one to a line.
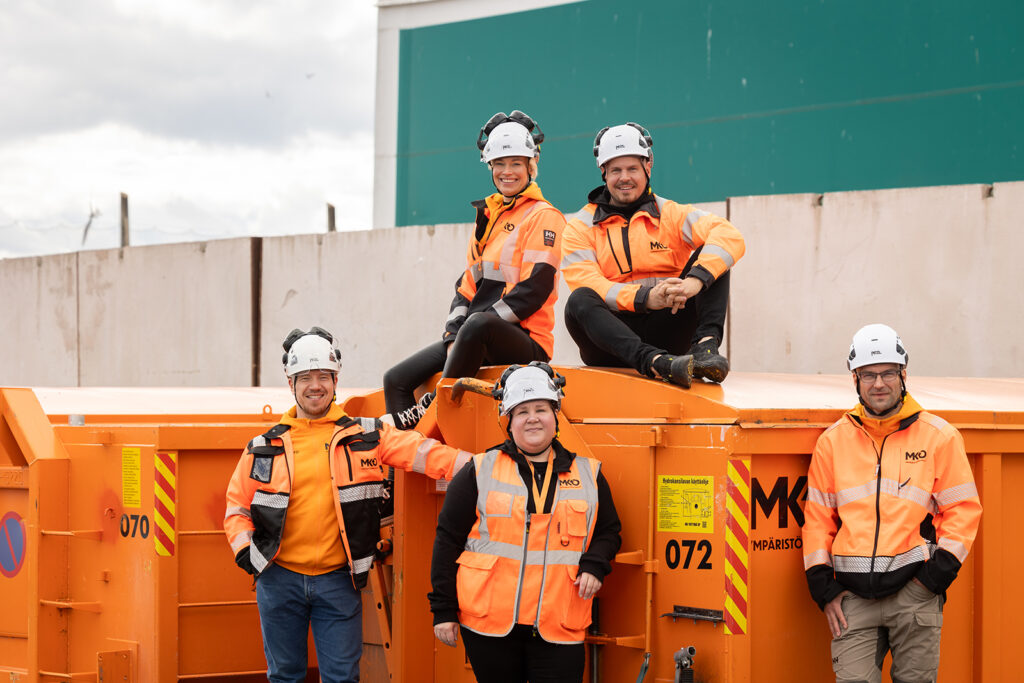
541,495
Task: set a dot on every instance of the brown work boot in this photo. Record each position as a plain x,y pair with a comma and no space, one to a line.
707,362
674,369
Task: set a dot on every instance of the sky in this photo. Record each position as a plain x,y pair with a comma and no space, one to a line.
218,118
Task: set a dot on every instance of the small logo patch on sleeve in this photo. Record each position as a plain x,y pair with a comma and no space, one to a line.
549,238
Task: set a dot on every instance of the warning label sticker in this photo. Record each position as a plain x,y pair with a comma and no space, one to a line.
131,476
686,503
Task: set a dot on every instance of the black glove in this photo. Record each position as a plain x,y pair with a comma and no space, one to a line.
243,561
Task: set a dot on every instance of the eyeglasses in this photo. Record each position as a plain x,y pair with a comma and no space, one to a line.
887,376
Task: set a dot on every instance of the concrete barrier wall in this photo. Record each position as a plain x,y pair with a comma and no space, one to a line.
39,300
936,263
168,315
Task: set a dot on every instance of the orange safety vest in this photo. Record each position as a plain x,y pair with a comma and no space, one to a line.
519,568
516,238
259,489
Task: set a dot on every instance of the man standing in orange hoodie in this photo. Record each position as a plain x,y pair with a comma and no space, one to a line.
304,513
892,511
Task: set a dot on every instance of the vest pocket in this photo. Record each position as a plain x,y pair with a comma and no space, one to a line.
577,615
576,517
473,583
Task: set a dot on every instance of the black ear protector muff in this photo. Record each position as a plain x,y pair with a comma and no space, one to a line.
597,140
499,387
295,334
646,136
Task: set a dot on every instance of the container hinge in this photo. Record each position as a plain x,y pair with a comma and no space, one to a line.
695,613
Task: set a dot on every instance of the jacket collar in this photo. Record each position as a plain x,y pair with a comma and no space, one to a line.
903,418
602,198
563,457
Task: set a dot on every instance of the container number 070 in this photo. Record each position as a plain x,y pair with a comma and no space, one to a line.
134,525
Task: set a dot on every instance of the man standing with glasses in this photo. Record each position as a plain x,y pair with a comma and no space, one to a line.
892,511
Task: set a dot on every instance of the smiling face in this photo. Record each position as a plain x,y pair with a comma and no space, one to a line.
533,425
626,178
511,175
880,386
314,393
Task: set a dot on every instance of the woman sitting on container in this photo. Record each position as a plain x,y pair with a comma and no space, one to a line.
503,310
528,502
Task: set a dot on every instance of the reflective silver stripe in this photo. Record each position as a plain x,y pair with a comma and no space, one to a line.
720,253
583,216
485,484
862,565
362,565
507,551
419,462
691,219
934,420
504,311
241,540
368,423
611,295
356,492
461,459
816,558
258,442
956,494
955,547
477,270
647,281
232,511
259,562
851,495
541,256
579,255
821,498
494,271
660,201
387,521
457,312
911,493
538,557
267,500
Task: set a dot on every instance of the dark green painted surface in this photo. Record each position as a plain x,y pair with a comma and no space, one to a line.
743,98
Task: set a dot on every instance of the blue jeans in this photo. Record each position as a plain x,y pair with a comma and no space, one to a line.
289,603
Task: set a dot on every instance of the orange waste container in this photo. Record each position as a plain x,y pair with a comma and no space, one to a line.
113,560
710,486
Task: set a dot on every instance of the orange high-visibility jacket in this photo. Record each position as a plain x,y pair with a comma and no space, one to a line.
622,261
512,266
257,495
877,517
520,567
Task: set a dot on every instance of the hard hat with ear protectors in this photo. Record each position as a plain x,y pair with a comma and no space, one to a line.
313,350
522,383
628,140
876,343
512,135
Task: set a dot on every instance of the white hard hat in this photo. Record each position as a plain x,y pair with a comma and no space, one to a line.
536,381
310,351
627,140
876,343
509,139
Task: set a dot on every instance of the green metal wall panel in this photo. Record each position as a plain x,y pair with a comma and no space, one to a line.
742,98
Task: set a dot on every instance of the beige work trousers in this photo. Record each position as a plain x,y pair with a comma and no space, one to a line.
909,624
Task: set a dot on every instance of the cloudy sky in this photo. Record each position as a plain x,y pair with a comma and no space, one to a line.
218,118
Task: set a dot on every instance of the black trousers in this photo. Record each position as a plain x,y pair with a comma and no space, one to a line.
522,656
625,339
483,339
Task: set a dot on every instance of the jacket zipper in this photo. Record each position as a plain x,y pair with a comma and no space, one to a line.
878,510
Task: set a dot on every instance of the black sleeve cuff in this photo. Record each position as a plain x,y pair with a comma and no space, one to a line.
446,615
598,569
702,274
640,300
938,573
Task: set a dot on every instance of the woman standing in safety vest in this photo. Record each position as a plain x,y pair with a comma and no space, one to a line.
503,310
524,540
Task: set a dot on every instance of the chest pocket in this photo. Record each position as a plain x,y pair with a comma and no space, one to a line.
263,462
367,441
